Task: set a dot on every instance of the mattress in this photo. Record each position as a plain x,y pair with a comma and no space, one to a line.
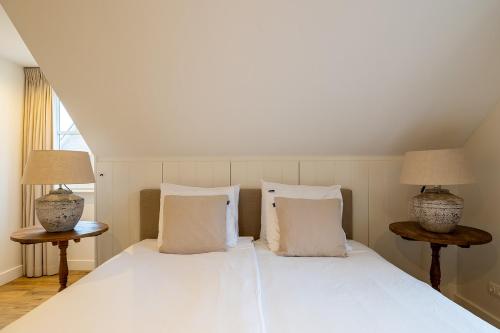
142,290
360,293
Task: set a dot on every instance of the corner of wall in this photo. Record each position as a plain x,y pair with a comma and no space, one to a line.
479,265
11,107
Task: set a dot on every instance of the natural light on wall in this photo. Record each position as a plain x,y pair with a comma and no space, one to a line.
67,137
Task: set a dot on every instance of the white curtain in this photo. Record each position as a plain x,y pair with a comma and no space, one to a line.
38,259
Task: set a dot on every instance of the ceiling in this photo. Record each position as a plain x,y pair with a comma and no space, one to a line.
258,77
12,46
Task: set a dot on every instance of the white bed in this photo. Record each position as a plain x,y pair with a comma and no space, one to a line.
248,289
360,293
142,290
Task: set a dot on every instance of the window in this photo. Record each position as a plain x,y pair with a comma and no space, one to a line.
67,137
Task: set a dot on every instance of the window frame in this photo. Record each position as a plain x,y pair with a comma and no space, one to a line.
56,122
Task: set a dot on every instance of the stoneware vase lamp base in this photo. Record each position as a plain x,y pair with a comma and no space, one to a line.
435,208
61,209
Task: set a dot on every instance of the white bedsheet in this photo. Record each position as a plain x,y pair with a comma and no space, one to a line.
248,290
141,290
360,293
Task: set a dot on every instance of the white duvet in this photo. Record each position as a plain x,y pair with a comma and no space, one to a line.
142,290
248,289
360,293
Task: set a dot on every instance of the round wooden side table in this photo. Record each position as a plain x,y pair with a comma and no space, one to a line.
38,234
462,236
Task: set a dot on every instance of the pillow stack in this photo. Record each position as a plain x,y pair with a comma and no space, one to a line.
196,219
300,220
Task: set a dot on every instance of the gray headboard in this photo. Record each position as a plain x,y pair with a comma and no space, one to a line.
248,217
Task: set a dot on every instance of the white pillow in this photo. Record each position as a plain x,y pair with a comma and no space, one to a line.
232,192
269,222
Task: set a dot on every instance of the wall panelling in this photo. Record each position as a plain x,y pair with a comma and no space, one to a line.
117,195
378,197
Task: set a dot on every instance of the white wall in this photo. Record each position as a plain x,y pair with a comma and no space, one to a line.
481,264
81,256
11,104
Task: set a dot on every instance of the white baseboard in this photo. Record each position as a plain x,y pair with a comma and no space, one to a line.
81,265
478,311
11,274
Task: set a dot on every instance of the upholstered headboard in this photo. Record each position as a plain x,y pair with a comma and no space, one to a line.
248,218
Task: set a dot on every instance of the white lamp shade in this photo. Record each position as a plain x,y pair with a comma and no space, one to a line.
436,167
50,167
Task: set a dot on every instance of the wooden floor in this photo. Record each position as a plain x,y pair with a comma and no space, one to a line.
24,294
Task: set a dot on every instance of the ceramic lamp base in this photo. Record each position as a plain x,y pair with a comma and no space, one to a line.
437,210
60,210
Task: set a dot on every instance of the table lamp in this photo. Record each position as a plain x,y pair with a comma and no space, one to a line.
436,209
60,210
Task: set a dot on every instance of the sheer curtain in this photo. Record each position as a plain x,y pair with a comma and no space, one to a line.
38,259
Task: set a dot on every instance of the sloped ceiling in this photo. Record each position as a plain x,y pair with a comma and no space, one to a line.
212,77
12,47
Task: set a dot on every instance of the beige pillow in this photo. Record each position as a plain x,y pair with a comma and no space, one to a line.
310,228
194,224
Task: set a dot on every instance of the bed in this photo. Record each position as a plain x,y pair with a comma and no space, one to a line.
246,289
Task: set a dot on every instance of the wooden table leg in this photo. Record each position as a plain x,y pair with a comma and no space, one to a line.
435,272
63,265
